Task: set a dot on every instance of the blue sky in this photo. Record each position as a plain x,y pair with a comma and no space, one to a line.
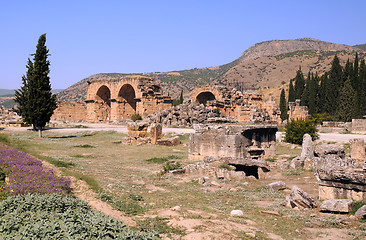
86,37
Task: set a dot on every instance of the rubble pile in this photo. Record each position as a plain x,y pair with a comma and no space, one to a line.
186,114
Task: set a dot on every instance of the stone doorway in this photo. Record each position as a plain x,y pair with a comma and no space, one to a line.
127,101
103,100
204,97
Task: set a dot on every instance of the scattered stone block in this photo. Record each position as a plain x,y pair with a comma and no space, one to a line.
336,205
361,212
307,147
297,162
174,141
299,198
236,213
357,147
279,185
329,149
156,132
137,129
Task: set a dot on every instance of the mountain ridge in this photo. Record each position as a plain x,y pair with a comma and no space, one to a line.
255,67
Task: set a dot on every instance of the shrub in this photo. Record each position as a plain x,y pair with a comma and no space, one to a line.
57,217
295,130
171,166
217,112
136,117
226,166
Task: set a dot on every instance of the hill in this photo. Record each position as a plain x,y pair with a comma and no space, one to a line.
262,66
361,46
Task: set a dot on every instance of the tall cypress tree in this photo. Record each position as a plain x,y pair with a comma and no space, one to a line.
291,92
41,103
306,92
347,101
362,79
313,93
283,106
299,84
334,85
181,97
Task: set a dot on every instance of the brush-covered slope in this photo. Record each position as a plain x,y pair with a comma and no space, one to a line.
263,65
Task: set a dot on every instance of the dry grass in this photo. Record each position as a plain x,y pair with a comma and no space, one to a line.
120,171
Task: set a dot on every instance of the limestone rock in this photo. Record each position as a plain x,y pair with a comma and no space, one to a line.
156,132
361,212
279,185
236,213
299,198
297,162
329,149
337,205
307,147
174,141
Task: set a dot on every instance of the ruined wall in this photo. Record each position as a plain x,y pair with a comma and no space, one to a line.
243,106
119,99
359,125
69,111
236,141
297,111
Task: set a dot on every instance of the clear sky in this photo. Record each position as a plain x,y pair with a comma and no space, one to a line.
86,37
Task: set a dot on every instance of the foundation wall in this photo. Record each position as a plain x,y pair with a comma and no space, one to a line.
327,192
69,111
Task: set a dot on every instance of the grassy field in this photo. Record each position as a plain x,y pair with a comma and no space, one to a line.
129,177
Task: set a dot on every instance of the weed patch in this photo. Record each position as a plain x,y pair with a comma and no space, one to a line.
163,159
159,225
84,146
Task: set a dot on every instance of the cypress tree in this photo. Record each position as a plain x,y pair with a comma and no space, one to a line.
322,105
299,84
362,79
291,92
313,93
41,103
283,107
335,83
306,92
181,97
347,102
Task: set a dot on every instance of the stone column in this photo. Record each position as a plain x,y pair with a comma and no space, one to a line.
357,146
156,132
307,152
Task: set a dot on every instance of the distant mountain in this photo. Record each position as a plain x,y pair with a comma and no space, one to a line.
262,66
361,46
7,92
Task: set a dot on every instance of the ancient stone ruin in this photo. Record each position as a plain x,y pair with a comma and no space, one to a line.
242,148
296,111
242,106
119,99
236,141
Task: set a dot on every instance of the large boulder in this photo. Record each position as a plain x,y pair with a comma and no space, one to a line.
329,149
279,185
299,198
336,205
361,212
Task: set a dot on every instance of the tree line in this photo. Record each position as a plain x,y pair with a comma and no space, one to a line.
339,94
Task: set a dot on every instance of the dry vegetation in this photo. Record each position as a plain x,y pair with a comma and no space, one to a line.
121,175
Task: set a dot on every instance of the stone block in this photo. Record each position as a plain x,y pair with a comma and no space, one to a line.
307,147
156,132
174,141
336,205
236,213
279,185
301,199
357,147
361,212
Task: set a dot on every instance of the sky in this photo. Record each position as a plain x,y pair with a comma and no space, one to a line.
86,37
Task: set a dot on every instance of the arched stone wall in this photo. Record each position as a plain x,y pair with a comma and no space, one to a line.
128,95
203,97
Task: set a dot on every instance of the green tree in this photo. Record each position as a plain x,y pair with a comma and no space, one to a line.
313,83
299,84
291,92
347,108
40,102
362,79
335,83
295,130
181,97
306,92
283,106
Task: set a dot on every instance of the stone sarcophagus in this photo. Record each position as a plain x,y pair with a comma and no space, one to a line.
235,141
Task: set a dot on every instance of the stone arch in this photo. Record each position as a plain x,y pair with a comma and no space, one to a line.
103,103
127,100
203,97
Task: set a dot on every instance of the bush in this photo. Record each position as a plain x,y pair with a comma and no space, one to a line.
295,130
57,217
217,112
226,166
136,117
